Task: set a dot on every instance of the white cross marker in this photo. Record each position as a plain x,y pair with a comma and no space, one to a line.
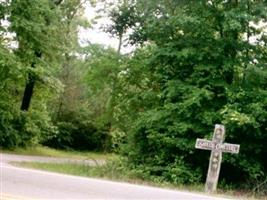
217,147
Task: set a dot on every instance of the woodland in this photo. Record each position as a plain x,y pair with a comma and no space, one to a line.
195,63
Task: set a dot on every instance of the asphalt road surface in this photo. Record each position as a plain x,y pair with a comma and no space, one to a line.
35,184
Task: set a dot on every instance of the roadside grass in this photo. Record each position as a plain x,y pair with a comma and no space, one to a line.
115,172
50,152
109,171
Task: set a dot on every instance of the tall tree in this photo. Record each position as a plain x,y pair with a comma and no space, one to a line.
35,24
122,19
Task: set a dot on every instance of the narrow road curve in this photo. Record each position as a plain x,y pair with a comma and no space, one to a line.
35,184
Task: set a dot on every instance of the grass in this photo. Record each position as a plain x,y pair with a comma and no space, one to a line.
115,172
109,171
46,151
72,169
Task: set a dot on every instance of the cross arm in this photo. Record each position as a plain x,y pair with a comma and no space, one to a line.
204,144
230,148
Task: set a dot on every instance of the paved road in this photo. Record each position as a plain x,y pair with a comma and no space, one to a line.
35,184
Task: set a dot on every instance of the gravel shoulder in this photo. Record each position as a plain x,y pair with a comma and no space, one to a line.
7,158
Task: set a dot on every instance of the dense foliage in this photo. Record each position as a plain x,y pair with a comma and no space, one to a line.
202,63
196,64
42,75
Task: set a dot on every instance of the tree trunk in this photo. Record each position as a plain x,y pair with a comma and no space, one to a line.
28,91
120,44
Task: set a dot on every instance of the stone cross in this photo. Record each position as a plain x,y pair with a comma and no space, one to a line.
217,147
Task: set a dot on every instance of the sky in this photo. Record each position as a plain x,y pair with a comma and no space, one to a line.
95,34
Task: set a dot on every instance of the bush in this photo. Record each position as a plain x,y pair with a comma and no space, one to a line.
9,136
160,153
80,134
22,129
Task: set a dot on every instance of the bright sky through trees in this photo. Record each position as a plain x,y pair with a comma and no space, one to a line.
96,34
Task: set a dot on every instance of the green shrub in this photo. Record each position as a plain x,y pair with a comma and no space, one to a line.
22,129
80,134
9,136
